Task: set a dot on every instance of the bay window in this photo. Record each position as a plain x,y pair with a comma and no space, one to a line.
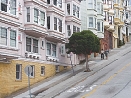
42,18
55,23
74,9
13,7
3,36
28,14
36,14
60,25
12,38
98,26
31,45
4,4
55,2
51,49
48,22
90,21
77,11
68,9
68,30
90,4
74,29
98,8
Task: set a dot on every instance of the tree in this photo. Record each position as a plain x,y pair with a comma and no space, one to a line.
84,42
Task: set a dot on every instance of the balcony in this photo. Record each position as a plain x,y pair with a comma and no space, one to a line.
121,24
106,24
111,28
111,11
105,7
116,5
116,21
35,30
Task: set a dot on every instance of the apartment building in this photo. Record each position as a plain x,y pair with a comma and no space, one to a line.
34,32
127,16
92,18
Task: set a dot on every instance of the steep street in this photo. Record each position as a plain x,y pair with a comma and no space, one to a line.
108,79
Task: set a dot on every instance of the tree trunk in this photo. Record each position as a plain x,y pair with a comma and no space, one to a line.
87,66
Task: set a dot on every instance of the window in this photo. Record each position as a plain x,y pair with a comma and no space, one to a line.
95,4
126,15
18,71
31,45
74,29
62,49
78,29
28,44
74,9
35,46
110,20
55,2
4,4
90,21
90,4
78,11
98,26
13,7
51,49
68,9
104,15
95,22
48,1
42,18
48,22
60,3
55,23
13,38
60,25
42,70
98,8
68,30
33,71
3,36
102,27
36,13
48,48
101,8
28,14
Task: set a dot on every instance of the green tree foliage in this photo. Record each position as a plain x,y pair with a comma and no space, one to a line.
84,42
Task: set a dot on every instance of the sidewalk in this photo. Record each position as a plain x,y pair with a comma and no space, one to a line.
94,63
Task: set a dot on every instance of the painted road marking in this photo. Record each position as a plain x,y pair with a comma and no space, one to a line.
106,81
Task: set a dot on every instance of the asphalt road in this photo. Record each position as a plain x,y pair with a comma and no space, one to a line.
113,81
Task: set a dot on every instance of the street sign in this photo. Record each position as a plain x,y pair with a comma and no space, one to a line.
28,70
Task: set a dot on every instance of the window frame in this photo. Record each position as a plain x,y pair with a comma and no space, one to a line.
68,9
3,37
51,49
14,39
69,30
32,75
42,19
55,23
36,17
91,23
19,72
42,70
28,14
31,45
